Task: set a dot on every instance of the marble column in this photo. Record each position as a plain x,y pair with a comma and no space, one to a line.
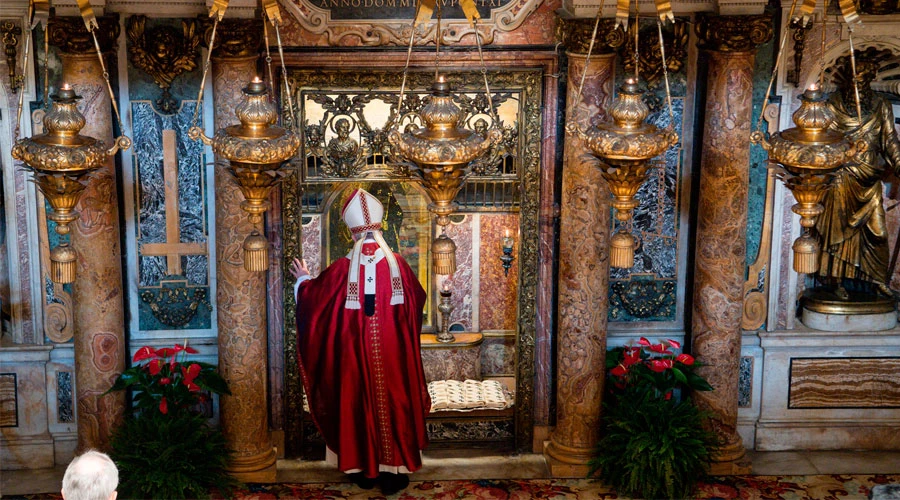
583,269
241,296
99,308
721,246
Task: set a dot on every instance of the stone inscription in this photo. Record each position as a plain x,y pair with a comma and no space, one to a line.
844,383
357,10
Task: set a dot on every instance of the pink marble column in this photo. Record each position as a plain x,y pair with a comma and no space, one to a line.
721,245
241,296
99,308
583,276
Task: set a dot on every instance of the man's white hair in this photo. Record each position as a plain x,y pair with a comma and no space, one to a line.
90,476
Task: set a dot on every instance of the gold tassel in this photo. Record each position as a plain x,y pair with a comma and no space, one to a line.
256,252
806,254
443,256
621,250
62,264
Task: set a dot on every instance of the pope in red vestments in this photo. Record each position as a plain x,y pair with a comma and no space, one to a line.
358,345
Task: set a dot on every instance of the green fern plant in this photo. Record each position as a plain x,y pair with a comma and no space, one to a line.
161,456
653,442
165,448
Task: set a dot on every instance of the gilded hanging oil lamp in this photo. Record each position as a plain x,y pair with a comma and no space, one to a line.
442,150
625,143
255,149
61,159
809,154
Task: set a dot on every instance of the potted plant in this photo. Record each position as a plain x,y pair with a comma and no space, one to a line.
166,448
653,442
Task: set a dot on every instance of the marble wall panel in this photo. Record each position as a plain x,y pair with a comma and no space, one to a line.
844,383
312,243
8,400
498,357
462,282
451,363
497,289
745,382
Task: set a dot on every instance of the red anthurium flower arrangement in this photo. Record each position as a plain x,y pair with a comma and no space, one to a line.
657,367
161,383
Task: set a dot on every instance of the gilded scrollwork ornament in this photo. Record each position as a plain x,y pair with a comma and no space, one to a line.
234,37
11,33
650,57
72,37
575,34
175,303
734,33
163,53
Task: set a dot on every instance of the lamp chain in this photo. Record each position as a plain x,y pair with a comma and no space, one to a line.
487,88
284,76
24,72
412,35
853,68
437,41
662,52
822,57
112,97
269,63
637,58
778,58
587,59
212,44
45,99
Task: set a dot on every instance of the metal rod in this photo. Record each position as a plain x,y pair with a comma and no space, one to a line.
853,67
112,97
269,62
212,43
284,74
822,58
588,58
24,72
662,53
412,36
637,58
775,68
46,97
437,40
487,88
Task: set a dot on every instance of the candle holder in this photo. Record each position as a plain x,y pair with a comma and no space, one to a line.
445,307
506,245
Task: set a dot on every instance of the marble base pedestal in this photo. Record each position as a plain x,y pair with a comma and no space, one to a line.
829,391
875,322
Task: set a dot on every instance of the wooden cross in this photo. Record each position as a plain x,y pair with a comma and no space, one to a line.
173,248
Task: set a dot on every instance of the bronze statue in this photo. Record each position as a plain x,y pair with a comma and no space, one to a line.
852,228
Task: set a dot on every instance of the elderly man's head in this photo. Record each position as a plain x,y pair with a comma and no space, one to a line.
90,476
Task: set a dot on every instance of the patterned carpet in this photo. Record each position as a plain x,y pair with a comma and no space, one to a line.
822,487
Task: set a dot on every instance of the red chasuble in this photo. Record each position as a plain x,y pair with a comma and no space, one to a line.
363,374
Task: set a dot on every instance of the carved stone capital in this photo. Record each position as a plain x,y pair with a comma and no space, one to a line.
575,34
72,37
734,33
234,37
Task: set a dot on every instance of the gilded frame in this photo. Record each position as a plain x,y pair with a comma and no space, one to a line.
528,79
